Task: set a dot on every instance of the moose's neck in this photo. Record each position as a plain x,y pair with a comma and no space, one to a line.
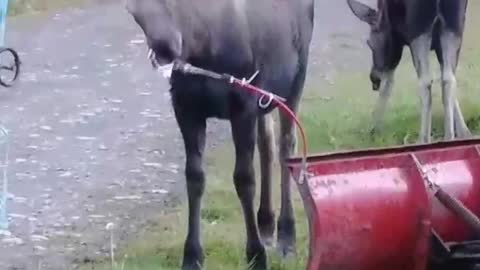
192,19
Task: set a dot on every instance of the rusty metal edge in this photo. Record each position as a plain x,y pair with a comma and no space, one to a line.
394,150
310,212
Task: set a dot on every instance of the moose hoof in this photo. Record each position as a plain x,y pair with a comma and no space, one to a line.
193,257
449,137
257,258
464,134
374,132
286,249
286,238
424,140
266,226
191,265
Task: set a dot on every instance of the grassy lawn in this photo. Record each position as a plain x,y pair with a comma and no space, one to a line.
21,7
336,116
17,7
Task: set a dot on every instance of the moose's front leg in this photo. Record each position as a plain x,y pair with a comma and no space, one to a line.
385,92
454,122
193,132
420,49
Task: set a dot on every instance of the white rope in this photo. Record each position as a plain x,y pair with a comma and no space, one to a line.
253,76
266,104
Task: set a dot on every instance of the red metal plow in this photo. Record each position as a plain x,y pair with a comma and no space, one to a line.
374,209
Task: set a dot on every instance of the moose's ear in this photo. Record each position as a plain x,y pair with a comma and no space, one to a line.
363,12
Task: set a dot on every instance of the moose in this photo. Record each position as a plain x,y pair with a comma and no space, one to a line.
422,26
237,37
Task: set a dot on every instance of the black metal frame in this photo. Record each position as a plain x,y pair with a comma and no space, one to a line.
15,68
453,256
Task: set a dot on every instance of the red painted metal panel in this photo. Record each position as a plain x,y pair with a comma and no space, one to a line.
370,209
367,214
457,171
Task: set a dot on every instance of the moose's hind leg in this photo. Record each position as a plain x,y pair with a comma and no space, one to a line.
420,49
455,125
286,231
266,145
243,131
385,93
461,129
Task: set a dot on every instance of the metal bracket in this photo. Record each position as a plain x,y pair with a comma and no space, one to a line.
303,176
424,173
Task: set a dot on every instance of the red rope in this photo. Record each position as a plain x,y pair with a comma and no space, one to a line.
244,84
282,106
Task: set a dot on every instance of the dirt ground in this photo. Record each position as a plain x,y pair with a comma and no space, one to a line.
93,138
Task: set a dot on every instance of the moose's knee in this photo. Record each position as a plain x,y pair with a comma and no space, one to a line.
244,180
425,83
193,169
194,173
287,144
448,79
243,174
195,177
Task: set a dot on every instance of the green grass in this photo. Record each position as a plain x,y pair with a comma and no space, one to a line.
21,7
342,119
336,116
222,230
